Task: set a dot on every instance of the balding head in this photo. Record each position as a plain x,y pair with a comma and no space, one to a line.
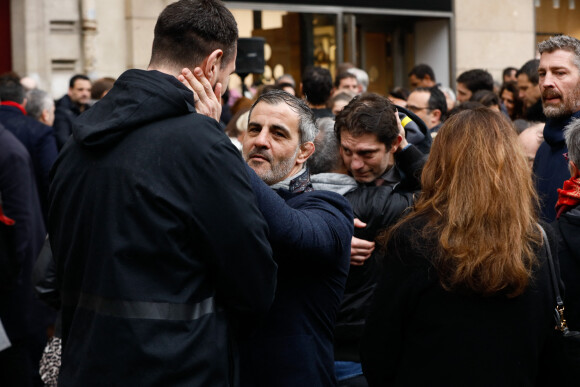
531,139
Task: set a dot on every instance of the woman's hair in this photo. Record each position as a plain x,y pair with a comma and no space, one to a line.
512,87
479,205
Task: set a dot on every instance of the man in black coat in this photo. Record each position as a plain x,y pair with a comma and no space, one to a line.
310,233
162,254
379,206
36,137
69,107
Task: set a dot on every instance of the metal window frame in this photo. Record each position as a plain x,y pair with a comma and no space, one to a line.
340,12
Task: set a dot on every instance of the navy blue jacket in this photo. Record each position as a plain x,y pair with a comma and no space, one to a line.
550,166
20,203
310,234
39,140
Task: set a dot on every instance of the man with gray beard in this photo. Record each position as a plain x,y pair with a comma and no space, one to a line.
310,234
559,80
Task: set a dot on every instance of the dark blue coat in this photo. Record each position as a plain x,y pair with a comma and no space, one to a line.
20,203
38,139
550,166
310,234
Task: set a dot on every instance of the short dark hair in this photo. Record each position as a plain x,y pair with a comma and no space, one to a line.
476,79
326,157
369,113
400,92
421,70
187,31
316,85
530,69
306,123
344,75
76,77
507,71
11,89
486,98
437,99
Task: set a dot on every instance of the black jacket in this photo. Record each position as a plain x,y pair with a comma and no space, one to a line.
568,230
65,113
379,207
418,334
160,247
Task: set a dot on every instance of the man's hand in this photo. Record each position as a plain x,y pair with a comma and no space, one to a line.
360,249
403,142
207,100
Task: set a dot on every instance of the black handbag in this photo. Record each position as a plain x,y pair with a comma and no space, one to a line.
565,347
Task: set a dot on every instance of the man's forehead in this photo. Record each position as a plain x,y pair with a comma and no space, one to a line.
348,80
276,114
81,83
523,78
419,96
557,58
365,141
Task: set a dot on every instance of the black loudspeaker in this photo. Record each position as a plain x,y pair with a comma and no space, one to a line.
250,57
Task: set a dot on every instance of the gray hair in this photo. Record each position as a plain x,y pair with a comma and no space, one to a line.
36,102
562,42
361,76
306,121
326,157
572,136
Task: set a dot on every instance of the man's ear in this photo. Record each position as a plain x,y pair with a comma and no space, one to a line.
395,146
306,150
436,113
210,63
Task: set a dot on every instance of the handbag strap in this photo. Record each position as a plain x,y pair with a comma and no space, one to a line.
559,311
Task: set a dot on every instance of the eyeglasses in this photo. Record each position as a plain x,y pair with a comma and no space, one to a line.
416,109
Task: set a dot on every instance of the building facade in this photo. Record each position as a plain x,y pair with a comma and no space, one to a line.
51,40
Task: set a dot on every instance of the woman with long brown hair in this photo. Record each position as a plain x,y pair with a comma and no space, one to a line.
465,298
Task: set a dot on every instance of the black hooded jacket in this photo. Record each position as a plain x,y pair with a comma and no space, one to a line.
159,244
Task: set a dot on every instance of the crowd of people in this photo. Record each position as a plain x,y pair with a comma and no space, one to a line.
157,229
